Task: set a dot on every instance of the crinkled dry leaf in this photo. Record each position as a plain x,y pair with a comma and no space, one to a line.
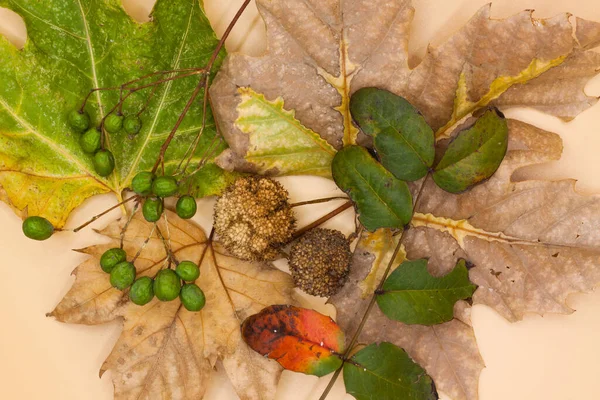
320,52
165,350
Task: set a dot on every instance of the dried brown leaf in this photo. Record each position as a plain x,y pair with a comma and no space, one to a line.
320,52
448,352
164,350
531,243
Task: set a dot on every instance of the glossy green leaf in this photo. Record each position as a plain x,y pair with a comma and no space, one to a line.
404,142
412,296
73,46
474,155
381,199
385,372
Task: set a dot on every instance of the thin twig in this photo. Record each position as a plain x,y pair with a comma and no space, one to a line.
170,254
317,201
144,244
372,301
203,84
95,217
321,220
124,229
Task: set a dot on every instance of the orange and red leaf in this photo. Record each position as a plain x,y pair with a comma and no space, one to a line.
299,339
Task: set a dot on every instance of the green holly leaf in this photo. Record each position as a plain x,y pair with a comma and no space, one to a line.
76,45
403,140
474,155
386,372
412,296
382,200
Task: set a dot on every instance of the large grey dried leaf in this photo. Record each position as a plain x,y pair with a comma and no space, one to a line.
532,242
320,52
165,351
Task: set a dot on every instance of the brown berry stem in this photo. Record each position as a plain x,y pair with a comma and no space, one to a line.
372,301
124,229
95,217
126,86
317,201
144,244
170,254
322,220
203,84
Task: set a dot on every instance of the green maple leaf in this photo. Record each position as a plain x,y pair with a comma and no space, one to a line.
76,45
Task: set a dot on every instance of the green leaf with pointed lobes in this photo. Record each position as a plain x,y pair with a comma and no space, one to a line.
72,47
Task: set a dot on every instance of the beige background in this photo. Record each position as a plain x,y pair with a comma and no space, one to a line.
550,358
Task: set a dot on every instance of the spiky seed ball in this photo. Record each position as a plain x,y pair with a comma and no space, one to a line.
253,218
320,262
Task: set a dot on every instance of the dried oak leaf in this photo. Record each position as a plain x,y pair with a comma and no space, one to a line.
531,243
320,52
164,350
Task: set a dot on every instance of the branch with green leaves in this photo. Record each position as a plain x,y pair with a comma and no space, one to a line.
405,146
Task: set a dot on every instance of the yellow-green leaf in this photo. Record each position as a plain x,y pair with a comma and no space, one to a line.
279,143
72,47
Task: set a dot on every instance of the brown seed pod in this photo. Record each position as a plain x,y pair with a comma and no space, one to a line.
253,218
320,262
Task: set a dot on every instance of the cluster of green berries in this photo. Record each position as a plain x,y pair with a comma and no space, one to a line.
131,124
91,137
155,190
167,285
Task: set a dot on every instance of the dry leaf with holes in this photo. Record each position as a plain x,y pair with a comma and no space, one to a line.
165,350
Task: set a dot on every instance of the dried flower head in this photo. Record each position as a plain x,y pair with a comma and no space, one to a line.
320,262
253,218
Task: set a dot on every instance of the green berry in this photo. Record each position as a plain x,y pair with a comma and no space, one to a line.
152,209
79,121
90,140
186,207
104,163
122,275
37,228
111,258
188,271
113,123
164,186
167,285
142,291
132,124
142,183
192,297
